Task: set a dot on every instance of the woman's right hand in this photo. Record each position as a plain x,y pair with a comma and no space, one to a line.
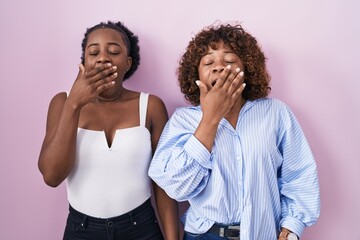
88,85
216,101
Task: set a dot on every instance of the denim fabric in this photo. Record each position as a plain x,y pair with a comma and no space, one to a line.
204,236
138,224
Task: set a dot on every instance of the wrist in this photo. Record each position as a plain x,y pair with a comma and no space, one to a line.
73,106
286,234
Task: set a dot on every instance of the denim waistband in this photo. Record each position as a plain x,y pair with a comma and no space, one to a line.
120,218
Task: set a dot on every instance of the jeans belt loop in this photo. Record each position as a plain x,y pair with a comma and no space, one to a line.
222,232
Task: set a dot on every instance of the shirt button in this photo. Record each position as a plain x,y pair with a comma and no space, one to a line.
244,232
238,158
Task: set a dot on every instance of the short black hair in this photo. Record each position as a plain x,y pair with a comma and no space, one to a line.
131,41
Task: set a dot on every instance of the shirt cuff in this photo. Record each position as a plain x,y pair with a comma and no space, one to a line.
293,224
196,150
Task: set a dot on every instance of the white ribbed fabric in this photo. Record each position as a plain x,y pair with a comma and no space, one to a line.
107,182
261,175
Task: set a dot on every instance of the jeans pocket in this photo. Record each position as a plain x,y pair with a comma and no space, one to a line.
147,223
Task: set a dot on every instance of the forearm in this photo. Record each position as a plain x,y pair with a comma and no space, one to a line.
206,131
167,209
58,151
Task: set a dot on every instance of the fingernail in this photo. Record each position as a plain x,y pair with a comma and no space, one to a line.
237,70
244,84
241,73
228,66
197,82
114,67
115,74
108,64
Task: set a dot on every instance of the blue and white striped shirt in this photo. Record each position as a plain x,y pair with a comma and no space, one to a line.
261,175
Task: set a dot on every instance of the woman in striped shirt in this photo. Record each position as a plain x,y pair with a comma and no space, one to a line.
238,157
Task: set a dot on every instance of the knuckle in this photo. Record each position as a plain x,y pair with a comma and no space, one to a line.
102,74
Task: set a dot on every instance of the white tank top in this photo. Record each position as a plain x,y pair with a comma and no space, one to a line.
110,181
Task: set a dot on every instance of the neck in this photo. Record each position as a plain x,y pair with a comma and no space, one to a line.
239,103
115,96
233,114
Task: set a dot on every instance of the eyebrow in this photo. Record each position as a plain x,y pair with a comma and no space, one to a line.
226,52
109,43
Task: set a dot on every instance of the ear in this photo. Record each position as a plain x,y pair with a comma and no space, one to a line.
128,63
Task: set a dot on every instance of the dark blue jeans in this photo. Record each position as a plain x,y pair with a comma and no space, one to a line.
138,224
204,236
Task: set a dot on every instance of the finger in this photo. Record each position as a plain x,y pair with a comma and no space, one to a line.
233,86
238,91
105,80
81,71
231,77
104,87
97,70
202,87
223,76
105,74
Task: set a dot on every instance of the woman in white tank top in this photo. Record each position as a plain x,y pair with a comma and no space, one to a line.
100,139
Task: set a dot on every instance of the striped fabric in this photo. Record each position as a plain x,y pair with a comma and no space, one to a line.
261,175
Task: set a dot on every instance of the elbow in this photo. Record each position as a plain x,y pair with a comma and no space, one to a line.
51,177
51,181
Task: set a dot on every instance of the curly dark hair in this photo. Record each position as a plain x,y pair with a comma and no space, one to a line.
257,78
131,41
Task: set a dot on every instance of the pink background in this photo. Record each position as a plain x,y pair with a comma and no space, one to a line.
313,51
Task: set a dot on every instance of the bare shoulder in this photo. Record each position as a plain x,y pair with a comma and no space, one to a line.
156,104
55,107
58,100
153,99
157,114
156,119
54,112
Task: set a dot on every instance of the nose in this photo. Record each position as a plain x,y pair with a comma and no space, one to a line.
218,68
103,58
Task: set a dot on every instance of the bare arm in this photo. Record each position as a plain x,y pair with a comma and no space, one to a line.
167,207
58,150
